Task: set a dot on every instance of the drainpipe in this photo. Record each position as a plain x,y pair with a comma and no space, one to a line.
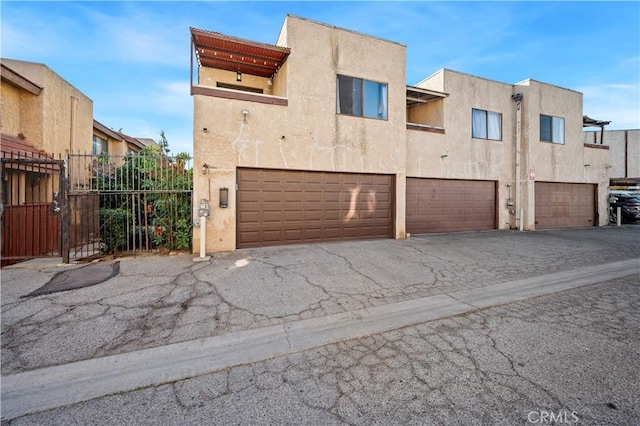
72,124
518,207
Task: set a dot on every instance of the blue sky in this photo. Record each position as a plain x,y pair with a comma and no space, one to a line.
132,58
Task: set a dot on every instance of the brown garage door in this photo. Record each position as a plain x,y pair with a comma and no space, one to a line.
287,207
565,205
445,205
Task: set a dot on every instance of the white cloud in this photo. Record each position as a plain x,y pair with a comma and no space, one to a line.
618,102
173,98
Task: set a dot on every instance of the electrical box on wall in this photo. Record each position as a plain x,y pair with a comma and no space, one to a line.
224,198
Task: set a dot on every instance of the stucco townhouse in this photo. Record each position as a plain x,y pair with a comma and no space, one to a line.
319,138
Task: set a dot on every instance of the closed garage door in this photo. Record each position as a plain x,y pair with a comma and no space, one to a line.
445,205
286,207
565,205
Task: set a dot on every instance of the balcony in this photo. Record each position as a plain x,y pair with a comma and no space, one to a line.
425,110
234,68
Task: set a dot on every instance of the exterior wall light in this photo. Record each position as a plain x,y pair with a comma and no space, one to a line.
238,76
245,112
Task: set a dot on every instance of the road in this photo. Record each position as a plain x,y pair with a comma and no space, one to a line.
561,345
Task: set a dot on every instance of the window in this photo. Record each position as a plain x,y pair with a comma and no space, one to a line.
486,125
551,129
362,98
99,145
238,87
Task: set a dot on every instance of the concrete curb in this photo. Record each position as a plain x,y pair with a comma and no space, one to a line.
62,385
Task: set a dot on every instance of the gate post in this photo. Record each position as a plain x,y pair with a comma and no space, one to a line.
64,213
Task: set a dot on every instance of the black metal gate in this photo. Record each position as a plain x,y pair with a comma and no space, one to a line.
133,202
33,194
105,204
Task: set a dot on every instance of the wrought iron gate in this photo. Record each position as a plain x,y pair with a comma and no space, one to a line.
33,187
133,202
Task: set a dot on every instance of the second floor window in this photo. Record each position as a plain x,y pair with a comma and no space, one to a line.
551,129
362,98
99,145
486,125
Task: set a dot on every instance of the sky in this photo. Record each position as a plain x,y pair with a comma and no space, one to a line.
133,58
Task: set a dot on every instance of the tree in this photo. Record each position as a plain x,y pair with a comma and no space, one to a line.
164,143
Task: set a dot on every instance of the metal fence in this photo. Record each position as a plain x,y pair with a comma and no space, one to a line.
31,206
133,202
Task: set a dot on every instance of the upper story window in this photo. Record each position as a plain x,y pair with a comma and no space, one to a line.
551,129
362,98
486,125
99,145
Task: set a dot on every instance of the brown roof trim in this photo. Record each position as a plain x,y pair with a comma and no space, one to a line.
592,122
131,140
215,50
15,146
591,145
104,129
19,81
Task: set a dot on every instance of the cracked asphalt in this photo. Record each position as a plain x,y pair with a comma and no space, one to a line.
576,351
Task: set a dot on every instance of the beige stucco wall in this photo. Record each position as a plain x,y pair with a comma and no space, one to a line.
59,119
455,154
21,114
570,162
10,109
624,147
307,134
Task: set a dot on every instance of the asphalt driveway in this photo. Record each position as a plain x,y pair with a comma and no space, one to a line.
155,301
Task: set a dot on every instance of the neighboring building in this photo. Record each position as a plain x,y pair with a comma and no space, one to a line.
624,146
322,140
116,143
42,118
42,109
107,141
141,143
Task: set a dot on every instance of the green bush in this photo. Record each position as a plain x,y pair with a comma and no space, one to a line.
114,224
153,191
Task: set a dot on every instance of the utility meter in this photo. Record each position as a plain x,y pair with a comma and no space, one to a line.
55,205
203,208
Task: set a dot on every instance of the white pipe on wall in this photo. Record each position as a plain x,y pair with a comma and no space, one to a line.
518,202
203,237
